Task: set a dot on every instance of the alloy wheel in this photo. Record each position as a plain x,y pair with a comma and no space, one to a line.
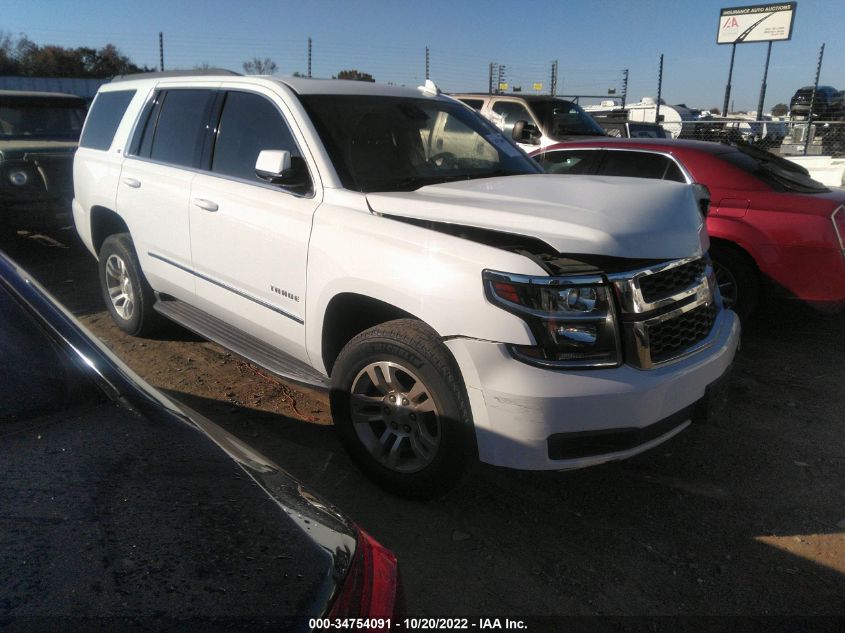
395,416
120,288
727,283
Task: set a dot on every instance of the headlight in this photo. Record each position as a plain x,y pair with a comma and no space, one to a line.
573,319
18,178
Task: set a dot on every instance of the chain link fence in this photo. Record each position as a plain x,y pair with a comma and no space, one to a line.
788,138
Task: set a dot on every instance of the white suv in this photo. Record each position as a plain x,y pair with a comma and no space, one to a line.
391,245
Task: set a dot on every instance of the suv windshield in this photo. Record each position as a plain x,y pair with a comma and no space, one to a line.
381,143
563,119
41,118
777,172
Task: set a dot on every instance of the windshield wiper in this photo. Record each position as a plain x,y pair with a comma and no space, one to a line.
412,183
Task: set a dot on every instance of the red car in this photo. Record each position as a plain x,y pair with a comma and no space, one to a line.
772,228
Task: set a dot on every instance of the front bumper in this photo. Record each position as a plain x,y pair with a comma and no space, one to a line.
35,211
520,410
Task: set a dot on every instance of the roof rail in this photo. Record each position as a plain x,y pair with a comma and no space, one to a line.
175,73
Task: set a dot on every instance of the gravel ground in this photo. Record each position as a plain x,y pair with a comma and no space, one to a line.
743,516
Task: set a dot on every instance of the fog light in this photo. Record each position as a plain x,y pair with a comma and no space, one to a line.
18,178
578,335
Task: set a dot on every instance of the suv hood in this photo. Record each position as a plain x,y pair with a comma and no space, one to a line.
618,217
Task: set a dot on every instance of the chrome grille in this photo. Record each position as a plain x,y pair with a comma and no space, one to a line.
673,336
668,310
671,281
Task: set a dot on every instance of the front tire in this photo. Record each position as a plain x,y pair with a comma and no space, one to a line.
401,410
737,278
128,296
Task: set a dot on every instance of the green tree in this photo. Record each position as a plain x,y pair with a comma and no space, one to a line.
25,57
355,75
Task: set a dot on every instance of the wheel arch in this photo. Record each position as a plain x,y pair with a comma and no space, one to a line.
347,315
739,249
105,222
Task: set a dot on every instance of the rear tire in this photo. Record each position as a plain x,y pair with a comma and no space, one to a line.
738,279
400,409
128,296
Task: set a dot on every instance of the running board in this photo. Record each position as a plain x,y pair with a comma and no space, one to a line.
241,343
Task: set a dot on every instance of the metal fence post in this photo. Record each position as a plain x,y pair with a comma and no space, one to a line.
813,100
659,90
161,50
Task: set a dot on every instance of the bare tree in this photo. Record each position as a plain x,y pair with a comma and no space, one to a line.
781,109
257,66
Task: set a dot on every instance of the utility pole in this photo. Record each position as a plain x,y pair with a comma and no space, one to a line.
309,58
553,81
813,100
625,87
490,80
659,90
161,50
427,65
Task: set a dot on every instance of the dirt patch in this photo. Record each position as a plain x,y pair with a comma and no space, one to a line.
745,516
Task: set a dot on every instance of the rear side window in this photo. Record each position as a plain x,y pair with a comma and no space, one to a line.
646,131
568,162
640,165
475,104
105,115
250,123
179,131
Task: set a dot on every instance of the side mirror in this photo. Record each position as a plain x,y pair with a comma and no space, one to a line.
278,167
702,194
273,165
525,132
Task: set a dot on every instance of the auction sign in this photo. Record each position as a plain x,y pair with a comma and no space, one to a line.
759,23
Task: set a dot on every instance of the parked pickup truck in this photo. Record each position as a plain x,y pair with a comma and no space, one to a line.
391,245
534,121
38,136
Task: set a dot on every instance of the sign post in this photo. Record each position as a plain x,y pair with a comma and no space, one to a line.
763,86
730,76
757,23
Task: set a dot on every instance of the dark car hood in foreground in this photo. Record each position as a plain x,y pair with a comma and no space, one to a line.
121,509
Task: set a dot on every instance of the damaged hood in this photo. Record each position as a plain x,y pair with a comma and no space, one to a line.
618,217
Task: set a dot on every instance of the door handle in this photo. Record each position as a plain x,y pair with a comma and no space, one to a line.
132,182
208,205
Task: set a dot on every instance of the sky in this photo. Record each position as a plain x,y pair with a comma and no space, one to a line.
592,41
